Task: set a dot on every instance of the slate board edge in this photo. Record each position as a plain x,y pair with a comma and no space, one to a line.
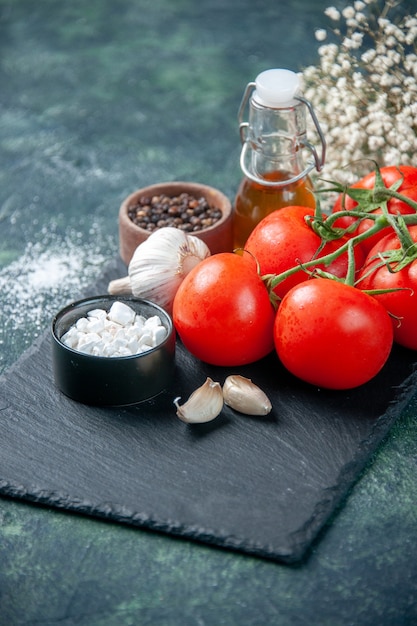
352,472
324,510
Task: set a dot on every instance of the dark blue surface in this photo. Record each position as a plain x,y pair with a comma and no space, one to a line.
98,99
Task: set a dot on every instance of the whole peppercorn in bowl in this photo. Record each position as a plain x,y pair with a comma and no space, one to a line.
195,208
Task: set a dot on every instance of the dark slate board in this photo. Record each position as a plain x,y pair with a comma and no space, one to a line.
262,486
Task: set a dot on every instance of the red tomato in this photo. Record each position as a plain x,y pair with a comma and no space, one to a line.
402,305
222,311
390,175
332,335
283,240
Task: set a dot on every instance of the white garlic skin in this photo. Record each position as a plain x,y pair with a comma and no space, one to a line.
203,405
159,265
242,395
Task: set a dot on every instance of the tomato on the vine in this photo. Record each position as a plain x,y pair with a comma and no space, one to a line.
401,304
389,175
332,335
222,311
284,239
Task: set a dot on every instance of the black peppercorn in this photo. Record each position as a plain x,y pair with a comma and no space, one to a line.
185,212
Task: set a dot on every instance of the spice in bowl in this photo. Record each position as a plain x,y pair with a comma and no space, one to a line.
191,208
184,211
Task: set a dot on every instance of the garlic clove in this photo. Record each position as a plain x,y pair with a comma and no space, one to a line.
203,405
191,253
160,264
242,395
120,286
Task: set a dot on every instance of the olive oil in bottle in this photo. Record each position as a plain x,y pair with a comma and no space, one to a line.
273,145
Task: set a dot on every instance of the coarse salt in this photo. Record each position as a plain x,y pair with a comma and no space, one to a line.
121,314
118,332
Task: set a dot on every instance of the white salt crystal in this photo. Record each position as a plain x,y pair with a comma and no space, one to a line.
70,338
81,324
87,342
145,339
95,325
120,332
134,346
159,335
123,351
121,313
153,322
100,314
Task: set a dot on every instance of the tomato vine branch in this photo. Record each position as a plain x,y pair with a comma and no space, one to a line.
368,202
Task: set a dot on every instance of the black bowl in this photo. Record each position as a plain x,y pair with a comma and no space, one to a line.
111,381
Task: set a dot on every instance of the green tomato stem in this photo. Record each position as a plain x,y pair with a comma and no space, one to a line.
368,200
327,258
380,223
385,194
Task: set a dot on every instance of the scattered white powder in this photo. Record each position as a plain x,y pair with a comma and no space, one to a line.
50,271
33,288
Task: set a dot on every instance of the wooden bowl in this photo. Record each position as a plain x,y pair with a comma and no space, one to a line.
218,237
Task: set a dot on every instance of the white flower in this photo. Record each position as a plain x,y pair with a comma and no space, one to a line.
332,13
375,143
383,23
405,145
348,12
364,88
321,34
348,43
360,17
357,38
368,56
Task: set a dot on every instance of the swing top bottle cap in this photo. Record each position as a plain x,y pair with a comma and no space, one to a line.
276,88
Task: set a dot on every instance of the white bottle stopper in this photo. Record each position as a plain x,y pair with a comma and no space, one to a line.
276,88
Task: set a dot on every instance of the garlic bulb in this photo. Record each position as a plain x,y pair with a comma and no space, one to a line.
242,395
159,265
204,404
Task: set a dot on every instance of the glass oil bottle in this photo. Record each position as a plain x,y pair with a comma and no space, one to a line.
274,141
